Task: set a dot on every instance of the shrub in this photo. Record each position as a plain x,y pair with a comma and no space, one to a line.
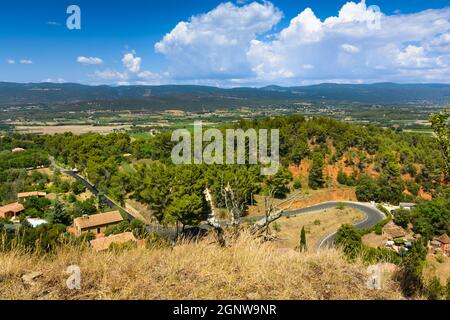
276,227
297,184
340,206
402,217
434,290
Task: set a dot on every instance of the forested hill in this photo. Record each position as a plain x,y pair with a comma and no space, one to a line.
195,97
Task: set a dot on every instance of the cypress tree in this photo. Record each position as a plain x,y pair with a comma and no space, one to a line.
303,246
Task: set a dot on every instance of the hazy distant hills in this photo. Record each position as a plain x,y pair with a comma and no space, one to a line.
192,96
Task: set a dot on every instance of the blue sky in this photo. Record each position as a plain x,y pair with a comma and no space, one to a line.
237,43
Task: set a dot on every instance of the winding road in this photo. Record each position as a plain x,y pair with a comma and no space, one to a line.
372,214
372,217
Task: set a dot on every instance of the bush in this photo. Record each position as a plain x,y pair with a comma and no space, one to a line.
447,290
345,180
434,290
349,239
402,217
276,227
340,206
297,184
410,273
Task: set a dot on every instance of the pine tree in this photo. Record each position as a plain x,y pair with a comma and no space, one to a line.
59,214
316,179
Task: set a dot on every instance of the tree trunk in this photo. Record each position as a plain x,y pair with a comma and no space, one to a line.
264,223
212,221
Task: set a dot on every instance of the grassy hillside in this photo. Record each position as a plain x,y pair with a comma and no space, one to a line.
246,269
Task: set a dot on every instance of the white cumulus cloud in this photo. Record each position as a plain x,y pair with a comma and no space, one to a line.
131,62
111,75
237,44
89,60
26,61
214,44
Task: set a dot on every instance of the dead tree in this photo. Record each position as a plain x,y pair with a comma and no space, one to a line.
234,205
272,213
212,221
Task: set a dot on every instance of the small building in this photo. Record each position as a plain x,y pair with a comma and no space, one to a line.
391,231
11,210
96,223
442,242
101,244
24,195
407,205
16,150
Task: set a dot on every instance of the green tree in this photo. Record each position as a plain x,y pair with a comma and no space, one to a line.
410,274
431,218
59,214
279,183
367,189
316,179
402,217
297,184
302,246
349,239
187,210
440,125
77,187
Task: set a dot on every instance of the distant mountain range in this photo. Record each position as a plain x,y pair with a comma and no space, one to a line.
191,96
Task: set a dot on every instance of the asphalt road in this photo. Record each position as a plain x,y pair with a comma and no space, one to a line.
372,217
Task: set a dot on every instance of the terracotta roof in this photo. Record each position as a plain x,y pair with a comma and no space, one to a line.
445,239
31,194
393,230
104,243
13,207
98,219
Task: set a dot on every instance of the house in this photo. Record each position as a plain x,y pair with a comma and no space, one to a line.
407,205
96,223
16,150
442,242
391,231
101,244
23,195
11,210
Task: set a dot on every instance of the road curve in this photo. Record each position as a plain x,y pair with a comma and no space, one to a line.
372,217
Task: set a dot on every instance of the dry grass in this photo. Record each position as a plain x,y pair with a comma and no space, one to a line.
317,225
437,265
245,270
373,240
